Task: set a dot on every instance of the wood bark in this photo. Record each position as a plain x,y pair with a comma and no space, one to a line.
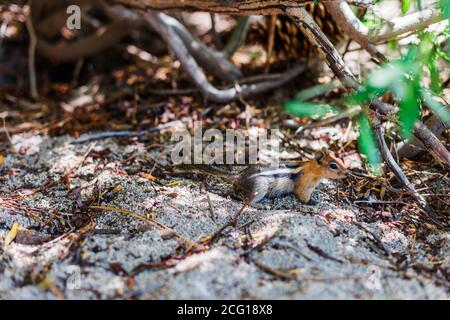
239,7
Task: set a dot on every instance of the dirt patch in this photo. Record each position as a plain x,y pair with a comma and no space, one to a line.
291,251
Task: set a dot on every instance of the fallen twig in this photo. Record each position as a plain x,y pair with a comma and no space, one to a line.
211,208
395,168
190,243
265,241
289,245
376,239
350,113
231,223
123,134
275,272
321,253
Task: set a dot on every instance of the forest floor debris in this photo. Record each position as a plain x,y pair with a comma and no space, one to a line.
292,251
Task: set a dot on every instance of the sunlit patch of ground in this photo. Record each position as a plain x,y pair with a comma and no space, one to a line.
289,251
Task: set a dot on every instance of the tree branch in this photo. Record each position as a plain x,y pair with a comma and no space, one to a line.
395,168
425,138
237,37
239,7
331,56
214,62
189,64
352,26
103,38
32,54
409,23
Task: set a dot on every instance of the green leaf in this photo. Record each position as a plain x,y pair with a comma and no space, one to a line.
434,75
378,83
309,109
315,91
426,48
368,144
441,110
445,7
383,78
429,56
405,5
409,113
392,44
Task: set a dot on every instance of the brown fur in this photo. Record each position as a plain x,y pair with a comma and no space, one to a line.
314,171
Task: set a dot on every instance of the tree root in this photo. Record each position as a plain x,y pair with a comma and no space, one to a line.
210,92
212,61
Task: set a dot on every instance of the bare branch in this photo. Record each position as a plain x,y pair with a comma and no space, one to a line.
191,67
100,40
425,138
352,26
239,7
395,168
409,23
32,54
238,36
212,61
326,49
357,31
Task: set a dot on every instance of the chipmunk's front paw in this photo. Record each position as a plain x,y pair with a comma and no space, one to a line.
314,200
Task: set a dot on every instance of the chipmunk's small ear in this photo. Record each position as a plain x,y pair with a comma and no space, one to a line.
319,156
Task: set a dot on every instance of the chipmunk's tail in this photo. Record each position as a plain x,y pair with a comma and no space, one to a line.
204,169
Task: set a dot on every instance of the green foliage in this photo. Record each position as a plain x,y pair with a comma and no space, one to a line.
430,49
409,108
302,108
372,21
315,91
404,78
442,111
368,144
405,5
309,109
445,7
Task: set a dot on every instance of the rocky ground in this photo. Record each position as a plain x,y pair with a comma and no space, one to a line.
150,238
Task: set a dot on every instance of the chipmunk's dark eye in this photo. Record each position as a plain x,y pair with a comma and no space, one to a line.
333,166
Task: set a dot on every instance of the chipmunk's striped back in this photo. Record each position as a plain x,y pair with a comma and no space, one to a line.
283,170
269,181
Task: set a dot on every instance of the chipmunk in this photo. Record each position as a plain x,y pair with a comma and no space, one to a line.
299,178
